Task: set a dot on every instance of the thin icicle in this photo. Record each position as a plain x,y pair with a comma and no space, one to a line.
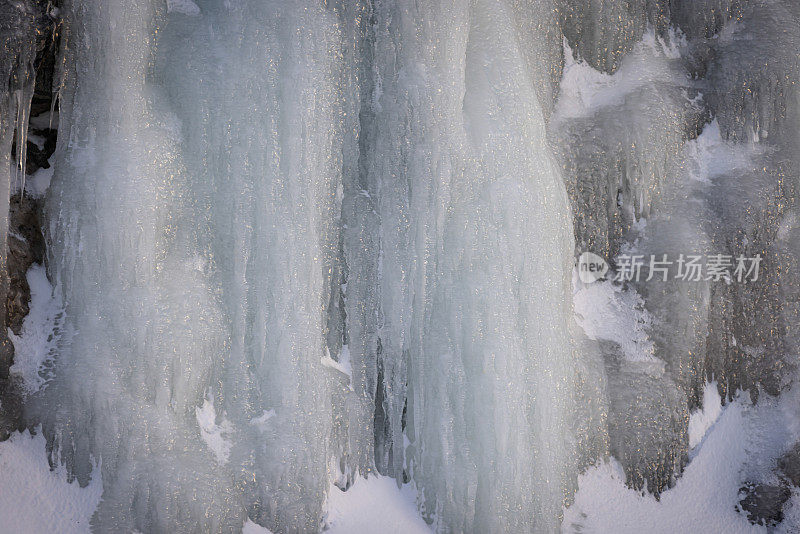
23,97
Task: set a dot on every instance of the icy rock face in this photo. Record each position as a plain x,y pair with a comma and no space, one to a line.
689,148
754,94
756,71
621,137
603,31
20,22
298,243
643,182
704,18
753,330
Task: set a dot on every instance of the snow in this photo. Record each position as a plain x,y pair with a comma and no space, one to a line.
185,7
584,89
740,446
262,421
35,347
710,156
607,311
36,500
215,435
36,185
740,443
700,421
252,528
374,504
343,365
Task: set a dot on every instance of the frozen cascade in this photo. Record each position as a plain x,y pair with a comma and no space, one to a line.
468,199
302,242
215,193
207,192
756,71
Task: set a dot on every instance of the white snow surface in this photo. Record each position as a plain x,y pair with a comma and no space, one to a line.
371,505
36,500
216,435
35,184
710,156
254,528
607,311
343,365
35,346
701,421
740,446
584,90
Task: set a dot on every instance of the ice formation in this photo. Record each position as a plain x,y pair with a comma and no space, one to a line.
474,342
293,244
20,23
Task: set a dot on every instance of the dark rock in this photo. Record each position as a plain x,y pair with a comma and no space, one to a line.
25,239
25,247
789,464
763,503
10,409
37,158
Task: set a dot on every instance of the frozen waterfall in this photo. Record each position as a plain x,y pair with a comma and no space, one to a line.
228,276
293,244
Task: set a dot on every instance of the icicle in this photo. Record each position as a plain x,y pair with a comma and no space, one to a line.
23,98
60,34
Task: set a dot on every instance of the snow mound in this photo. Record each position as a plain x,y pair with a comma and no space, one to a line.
740,446
371,505
36,500
35,346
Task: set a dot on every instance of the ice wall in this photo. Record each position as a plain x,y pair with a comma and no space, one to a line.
299,242
475,244
754,93
193,226
603,32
